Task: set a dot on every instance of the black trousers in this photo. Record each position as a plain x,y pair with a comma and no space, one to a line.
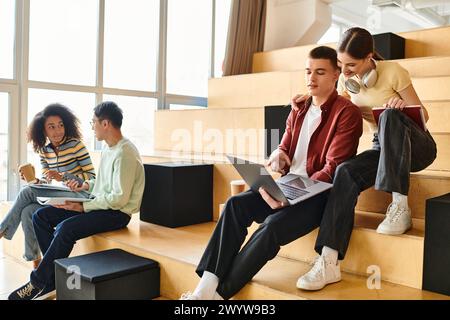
235,266
400,147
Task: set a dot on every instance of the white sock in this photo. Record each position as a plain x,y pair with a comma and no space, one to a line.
400,199
207,286
330,254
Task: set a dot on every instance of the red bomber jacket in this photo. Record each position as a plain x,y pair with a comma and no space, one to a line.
334,141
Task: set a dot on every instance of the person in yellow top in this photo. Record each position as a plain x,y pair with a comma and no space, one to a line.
400,146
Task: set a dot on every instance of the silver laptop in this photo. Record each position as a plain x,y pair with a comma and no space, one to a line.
290,188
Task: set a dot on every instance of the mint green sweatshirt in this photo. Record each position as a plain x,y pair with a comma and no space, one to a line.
120,180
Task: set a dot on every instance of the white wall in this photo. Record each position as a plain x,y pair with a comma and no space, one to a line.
295,22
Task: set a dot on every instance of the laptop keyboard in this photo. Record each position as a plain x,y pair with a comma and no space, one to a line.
290,192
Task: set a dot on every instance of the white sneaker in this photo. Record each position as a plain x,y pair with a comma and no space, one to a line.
321,274
398,220
189,296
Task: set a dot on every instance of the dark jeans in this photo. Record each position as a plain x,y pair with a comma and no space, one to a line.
399,148
57,230
236,267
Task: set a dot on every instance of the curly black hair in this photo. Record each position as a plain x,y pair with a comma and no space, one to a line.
36,130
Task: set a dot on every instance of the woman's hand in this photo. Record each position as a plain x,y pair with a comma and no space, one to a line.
297,100
274,204
278,161
53,175
71,206
395,103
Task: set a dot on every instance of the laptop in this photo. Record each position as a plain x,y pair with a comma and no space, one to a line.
414,112
290,188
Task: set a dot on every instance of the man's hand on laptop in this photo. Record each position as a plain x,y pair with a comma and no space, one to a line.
279,161
274,204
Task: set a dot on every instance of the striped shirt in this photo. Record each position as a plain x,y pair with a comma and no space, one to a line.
72,157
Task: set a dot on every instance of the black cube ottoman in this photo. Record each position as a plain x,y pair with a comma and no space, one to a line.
436,264
389,45
274,124
107,275
177,194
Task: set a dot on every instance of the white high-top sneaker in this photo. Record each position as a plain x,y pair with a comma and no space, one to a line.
322,273
398,220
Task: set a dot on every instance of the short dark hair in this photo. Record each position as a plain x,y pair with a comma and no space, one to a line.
324,52
109,110
36,129
358,43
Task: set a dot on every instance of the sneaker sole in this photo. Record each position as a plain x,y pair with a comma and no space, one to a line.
318,288
48,296
393,232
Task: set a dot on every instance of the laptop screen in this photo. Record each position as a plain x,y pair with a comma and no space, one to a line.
301,182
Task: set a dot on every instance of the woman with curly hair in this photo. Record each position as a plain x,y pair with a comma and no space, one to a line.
55,135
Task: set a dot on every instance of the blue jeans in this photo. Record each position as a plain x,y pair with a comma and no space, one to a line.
22,210
57,231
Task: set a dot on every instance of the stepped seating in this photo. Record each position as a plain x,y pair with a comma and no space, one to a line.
274,281
277,279
236,103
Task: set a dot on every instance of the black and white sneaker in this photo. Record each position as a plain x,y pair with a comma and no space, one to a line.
26,292
48,293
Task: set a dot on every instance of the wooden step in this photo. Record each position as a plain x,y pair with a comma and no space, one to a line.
400,258
254,90
179,250
277,88
178,260
432,88
439,113
417,67
288,59
421,43
427,66
236,131
423,185
241,130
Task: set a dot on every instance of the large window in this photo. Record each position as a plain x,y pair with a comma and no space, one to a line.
4,109
223,8
143,54
6,38
131,44
63,41
189,47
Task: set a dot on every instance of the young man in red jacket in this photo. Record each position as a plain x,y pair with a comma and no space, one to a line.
323,132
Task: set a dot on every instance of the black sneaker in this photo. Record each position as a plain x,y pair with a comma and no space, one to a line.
26,292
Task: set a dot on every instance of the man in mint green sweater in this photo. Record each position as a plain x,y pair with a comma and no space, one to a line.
118,191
